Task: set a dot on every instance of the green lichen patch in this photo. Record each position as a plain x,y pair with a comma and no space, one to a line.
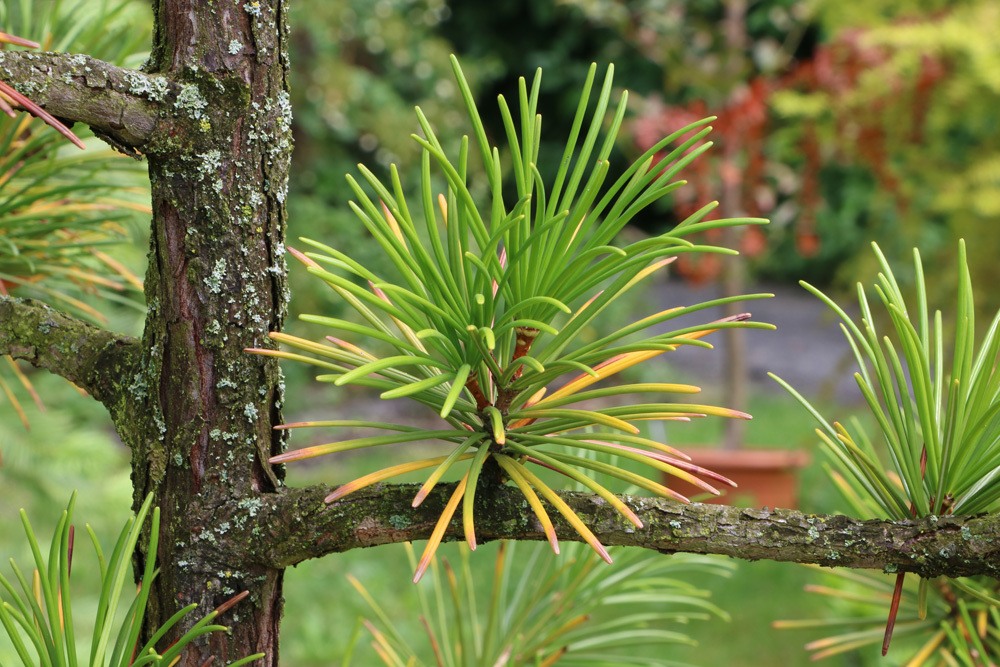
190,101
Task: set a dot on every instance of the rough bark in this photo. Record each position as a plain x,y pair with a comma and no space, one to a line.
93,359
213,119
215,286
121,105
296,525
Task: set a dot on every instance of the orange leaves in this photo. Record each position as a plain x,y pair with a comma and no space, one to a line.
386,473
601,372
18,41
616,365
442,524
11,96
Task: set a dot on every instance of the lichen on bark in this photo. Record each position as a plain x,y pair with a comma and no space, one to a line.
297,525
90,357
119,104
215,285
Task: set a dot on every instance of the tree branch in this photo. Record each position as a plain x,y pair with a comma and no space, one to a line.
117,103
296,525
94,359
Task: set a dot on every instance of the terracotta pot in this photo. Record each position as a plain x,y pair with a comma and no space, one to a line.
765,477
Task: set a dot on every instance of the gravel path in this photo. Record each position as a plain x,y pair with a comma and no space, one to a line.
807,350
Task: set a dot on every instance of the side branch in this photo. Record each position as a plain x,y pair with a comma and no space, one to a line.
119,104
92,358
296,525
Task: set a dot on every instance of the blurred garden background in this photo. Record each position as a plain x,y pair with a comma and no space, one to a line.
843,121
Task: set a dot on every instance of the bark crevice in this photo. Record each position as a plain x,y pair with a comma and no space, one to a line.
215,286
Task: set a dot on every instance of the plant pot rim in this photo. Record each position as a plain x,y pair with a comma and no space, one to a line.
759,459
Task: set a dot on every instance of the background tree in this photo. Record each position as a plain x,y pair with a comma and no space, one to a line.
211,114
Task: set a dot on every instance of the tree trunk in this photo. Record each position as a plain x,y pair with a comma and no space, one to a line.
200,417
